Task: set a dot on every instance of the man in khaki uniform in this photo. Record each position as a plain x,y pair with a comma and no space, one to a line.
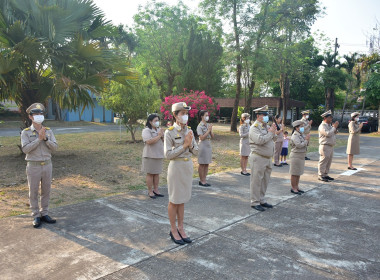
261,140
326,145
306,124
37,143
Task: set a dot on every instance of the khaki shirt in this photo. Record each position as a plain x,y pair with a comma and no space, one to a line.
202,129
155,150
260,140
298,143
306,126
173,143
327,134
353,127
36,149
244,131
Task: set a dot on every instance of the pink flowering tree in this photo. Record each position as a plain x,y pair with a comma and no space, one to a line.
197,100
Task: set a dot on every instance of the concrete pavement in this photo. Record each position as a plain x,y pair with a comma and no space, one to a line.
330,232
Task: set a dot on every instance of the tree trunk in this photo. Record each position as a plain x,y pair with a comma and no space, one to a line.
251,88
104,114
344,107
330,99
363,105
92,114
285,93
238,70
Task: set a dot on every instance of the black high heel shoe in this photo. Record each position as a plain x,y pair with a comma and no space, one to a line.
180,241
187,239
158,194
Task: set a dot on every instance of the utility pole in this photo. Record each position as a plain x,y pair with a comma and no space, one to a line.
336,49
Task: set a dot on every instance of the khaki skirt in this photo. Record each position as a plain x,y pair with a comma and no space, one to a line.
245,149
205,152
353,144
297,164
152,165
180,181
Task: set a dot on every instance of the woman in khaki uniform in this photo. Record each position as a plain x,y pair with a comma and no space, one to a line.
298,144
179,145
245,150
279,141
353,144
204,131
153,154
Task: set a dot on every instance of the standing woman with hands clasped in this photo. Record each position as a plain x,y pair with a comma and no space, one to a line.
153,154
179,145
298,144
245,150
353,144
204,131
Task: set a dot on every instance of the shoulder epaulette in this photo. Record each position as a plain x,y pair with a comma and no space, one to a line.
47,127
171,128
189,127
256,125
28,128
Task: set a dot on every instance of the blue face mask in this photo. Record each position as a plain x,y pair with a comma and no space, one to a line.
265,119
302,129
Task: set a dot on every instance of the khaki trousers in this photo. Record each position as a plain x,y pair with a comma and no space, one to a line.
326,153
261,168
277,152
36,175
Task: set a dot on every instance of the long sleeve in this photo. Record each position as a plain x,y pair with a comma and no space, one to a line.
27,146
298,143
52,142
354,129
324,132
169,149
258,138
243,134
195,148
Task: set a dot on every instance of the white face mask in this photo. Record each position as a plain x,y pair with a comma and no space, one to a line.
307,116
265,119
156,124
207,118
184,119
356,119
247,120
38,118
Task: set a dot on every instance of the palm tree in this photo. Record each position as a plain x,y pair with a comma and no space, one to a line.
57,49
349,65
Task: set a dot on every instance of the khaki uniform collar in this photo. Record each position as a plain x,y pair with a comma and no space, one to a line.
178,127
32,128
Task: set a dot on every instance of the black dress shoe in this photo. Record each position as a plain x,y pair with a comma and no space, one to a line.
180,241
285,163
48,219
204,185
267,205
299,193
245,174
258,208
278,165
158,194
323,179
352,168
329,178
306,158
152,196
37,222
208,185
186,240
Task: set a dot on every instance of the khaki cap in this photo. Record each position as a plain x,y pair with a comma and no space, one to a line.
245,115
297,123
35,108
180,106
355,114
306,112
326,114
262,110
